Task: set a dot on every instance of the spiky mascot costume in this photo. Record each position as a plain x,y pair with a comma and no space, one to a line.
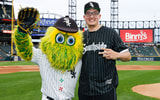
59,54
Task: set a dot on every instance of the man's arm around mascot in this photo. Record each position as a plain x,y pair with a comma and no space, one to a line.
58,56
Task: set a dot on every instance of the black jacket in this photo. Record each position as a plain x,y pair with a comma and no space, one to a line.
99,75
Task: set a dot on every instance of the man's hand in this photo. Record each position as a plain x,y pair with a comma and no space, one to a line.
109,54
27,19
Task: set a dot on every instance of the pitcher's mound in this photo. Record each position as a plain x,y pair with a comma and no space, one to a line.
152,90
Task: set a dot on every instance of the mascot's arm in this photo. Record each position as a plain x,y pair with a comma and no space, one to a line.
23,45
27,20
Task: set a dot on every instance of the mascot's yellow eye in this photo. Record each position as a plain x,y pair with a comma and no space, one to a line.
60,38
70,40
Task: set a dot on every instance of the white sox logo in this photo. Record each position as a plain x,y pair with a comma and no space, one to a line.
91,4
66,20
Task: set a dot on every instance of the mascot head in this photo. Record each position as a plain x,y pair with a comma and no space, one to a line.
62,44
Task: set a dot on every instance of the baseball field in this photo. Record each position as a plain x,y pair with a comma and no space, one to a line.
21,80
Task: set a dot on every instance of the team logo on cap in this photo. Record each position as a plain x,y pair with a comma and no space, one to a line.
66,20
91,4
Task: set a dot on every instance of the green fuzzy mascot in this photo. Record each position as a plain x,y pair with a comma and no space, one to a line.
58,57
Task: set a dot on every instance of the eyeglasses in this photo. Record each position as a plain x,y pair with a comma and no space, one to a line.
95,13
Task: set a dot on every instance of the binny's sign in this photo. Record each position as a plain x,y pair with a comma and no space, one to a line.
137,35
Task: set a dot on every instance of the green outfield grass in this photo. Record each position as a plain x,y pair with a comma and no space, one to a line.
129,79
12,63
156,63
8,63
20,86
26,85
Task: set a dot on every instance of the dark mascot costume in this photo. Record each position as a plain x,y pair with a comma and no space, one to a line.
59,54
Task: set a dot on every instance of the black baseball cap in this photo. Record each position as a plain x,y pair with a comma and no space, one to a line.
91,4
66,24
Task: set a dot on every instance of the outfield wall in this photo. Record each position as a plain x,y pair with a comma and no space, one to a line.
145,59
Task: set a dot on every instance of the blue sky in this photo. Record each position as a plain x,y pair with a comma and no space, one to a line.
130,10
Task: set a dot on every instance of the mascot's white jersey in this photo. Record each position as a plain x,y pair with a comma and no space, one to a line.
57,85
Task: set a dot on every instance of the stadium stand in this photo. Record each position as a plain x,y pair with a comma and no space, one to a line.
144,51
2,56
136,49
5,53
6,49
158,49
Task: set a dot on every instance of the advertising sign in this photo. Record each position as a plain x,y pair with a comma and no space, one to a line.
47,22
7,31
137,35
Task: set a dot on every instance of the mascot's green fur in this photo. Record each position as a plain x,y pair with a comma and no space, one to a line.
62,56
23,45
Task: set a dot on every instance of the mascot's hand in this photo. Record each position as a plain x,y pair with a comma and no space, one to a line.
27,19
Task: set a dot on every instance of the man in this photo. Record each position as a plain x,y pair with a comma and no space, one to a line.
102,46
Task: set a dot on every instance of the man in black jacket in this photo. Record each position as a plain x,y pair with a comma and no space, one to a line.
102,47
